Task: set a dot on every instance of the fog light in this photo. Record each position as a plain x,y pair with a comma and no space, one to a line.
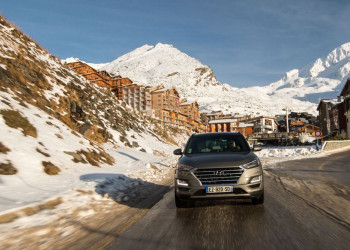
255,179
182,182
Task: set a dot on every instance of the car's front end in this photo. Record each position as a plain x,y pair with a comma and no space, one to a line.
204,182
219,176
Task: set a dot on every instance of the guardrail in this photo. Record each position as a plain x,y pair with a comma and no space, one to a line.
330,145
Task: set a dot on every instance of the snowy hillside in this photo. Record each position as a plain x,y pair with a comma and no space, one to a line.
59,133
298,89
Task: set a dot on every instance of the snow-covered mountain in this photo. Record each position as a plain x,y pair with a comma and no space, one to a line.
322,79
163,64
300,90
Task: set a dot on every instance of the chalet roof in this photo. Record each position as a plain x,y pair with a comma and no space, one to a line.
332,101
188,103
160,90
345,88
165,89
223,121
244,125
337,105
310,125
261,117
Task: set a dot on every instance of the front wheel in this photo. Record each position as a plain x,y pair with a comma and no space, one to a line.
258,200
180,203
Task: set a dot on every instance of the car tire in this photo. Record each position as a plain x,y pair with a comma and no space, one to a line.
258,200
180,203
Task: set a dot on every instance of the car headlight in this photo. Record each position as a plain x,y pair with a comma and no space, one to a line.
253,164
182,167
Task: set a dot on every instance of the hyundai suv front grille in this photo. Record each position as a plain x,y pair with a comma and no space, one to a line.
214,176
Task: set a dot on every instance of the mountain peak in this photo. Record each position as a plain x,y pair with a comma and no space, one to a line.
164,45
162,64
330,65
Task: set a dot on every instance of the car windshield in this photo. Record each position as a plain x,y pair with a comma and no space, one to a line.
217,143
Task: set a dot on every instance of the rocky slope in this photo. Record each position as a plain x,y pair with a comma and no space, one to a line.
54,119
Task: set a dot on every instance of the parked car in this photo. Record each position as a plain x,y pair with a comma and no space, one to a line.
218,166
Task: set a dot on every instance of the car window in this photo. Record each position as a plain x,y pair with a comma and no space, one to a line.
216,144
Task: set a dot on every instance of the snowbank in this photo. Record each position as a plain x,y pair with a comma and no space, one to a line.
279,152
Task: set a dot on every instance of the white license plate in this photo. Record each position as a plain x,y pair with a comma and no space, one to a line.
219,189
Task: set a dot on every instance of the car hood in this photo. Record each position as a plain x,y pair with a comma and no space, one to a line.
217,160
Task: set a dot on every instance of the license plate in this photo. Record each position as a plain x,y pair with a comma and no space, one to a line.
219,189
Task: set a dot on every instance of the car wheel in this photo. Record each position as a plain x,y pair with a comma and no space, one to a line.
258,200
180,203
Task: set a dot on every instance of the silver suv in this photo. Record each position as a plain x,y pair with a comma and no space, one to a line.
216,166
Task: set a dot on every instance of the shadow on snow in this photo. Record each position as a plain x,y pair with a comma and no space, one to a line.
126,190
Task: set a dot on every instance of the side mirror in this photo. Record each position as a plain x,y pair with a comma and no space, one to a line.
257,148
177,151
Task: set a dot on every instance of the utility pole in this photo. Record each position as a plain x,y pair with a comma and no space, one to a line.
287,110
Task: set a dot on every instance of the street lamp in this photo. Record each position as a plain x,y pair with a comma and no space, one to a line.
287,110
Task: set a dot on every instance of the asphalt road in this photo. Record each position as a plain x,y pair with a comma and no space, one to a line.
283,222
334,168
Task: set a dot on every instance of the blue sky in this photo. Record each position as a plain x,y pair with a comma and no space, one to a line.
245,42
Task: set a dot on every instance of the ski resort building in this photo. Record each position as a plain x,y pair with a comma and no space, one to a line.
138,97
223,125
245,129
190,109
345,93
324,108
160,102
264,124
101,78
308,129
166,103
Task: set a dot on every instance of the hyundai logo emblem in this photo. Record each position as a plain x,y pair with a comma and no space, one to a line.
219,172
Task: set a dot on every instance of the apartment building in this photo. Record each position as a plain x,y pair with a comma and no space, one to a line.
191,109
166,103
308,129
324,108
121,82
223,125
160,102
100,78
245,129
345,93
138,97
264,124
182,120
206,117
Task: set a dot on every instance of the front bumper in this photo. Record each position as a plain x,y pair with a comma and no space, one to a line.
242,189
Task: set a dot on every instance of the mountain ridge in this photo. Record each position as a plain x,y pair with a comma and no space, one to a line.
300,89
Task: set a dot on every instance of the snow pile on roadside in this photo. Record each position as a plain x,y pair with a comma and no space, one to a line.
280,152
133,187
45,141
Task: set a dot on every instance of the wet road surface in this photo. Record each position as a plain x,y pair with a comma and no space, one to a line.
334,168
283,222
